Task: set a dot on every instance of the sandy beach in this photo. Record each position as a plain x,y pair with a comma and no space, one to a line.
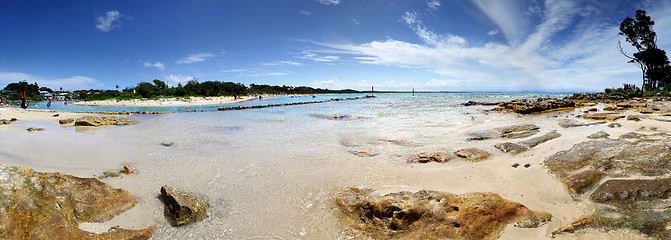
169,102
289,181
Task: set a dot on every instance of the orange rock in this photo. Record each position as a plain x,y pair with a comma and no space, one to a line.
128,170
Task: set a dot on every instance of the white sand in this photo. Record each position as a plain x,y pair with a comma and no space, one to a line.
167,102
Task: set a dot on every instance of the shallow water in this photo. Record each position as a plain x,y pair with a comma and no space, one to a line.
269,173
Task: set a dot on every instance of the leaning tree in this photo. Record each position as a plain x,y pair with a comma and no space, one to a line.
653,61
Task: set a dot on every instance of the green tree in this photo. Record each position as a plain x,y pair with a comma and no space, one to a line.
653,61
145,89
160,84
31,90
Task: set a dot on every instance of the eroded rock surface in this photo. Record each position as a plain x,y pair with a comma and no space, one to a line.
183,207
37,205
427,214
599,135
632,189
66,121
425,157
94,121
525,145
472,154
512,131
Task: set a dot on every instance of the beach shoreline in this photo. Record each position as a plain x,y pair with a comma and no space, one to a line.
172,102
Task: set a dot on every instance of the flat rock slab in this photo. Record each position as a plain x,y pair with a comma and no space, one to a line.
183,207
425,157
599,135
601,116
94,121
526,106
578,182
427,214
37,205
632,189
512,131
525,145
472,154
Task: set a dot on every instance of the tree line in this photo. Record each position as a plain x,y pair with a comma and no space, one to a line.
158,88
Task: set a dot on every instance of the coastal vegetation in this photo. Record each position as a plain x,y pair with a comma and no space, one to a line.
159,89
653,61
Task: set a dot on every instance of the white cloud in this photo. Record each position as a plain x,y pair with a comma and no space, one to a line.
70,83
331,83
157,65
329,2
280,63
255,72
305,12
585,60
196,57
174,80
493,32
314,57
111,20
433,4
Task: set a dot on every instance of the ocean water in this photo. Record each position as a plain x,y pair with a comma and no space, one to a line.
270,173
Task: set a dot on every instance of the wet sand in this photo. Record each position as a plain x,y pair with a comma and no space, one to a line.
386,172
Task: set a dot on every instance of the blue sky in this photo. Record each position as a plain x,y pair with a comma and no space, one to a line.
438,45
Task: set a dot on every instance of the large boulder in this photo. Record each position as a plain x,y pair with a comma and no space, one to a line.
427,214
182,207
37,205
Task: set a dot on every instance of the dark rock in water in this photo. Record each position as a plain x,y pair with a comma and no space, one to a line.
571,124
534,220
632,135
92,121
514,148
601,116
525,145
37,205
482,135
614,125
55,115
636,189
427,214
363,153
472,154
35,129
633,118
522,134
397,142
425,157
167,144
599,135
515,128
5,121
182,207
580,181
66,121
334,117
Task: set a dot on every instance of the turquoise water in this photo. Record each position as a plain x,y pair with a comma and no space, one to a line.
449,97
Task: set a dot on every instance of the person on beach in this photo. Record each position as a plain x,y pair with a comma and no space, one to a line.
24,105
49,103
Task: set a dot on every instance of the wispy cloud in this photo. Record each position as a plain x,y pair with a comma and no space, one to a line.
329,2
305,12
280,63
433,4
111,20
255,72
314,57
157,65
506,15
196,57
70,83
585,60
